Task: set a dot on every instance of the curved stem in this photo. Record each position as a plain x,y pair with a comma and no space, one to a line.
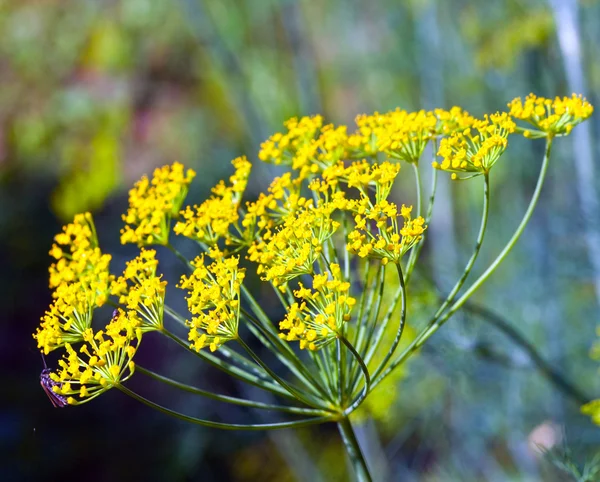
412,259
223,350
353,450
469,266
230,369
365,372
226,398
426,334
291,361
180,256
222,425
398,337
303,397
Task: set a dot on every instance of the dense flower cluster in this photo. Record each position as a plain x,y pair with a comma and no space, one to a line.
80,279
399,134
153,203
476,150
552,116
104,360
141,291
317,319
292,249
211,221
214,301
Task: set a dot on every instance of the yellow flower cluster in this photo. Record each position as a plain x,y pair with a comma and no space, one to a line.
78,257
554,117
319,317
102,362
80,280
153,203
364,176
214,301
142,291
308,146
450,121
476,149
281,148
399,134
211,221
292,249
377,233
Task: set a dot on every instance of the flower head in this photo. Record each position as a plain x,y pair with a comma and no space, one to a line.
214,301
80,279
319,317
292,249
554,117
79,259
104,360
377,233
153,203
211,221
142,291
399,134
476,149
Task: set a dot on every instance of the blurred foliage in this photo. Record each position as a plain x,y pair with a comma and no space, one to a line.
97,92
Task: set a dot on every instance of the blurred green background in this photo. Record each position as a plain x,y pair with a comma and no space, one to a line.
95,93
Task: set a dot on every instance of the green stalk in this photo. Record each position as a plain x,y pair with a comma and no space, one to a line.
223,350
478,243
180,256
225,426
413,254
309,400
417,249
353,450
230,369
365,372
226,398
398,337
292,362
425,335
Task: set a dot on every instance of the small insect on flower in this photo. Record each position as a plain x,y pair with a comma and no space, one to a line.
58,401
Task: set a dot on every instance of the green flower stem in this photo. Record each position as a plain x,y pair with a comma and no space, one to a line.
225,398
180,256
316,357
223,350
268,327
372,349
292,362
417,249
353,450
222,425
425,335
361,303
469,266
364,325
230,369
303,397
412,259
340,372
401,325
364,370
258,311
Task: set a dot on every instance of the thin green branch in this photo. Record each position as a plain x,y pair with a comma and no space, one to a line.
222,425
306,398
226,398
